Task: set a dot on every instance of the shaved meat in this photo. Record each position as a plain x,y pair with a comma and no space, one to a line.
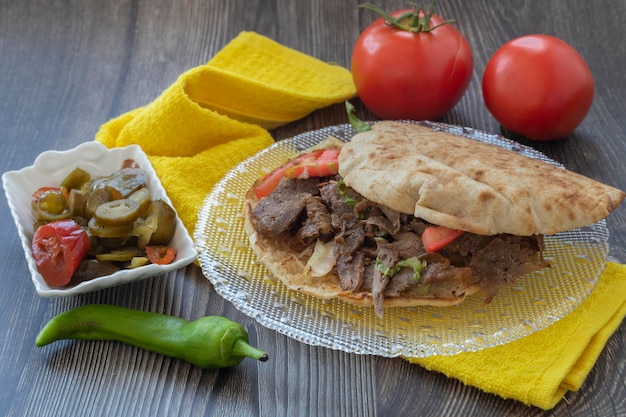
402,281
408,245
386,260
277,212
370,239
317,223
351,270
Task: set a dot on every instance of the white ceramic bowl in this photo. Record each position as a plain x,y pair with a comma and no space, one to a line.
49,169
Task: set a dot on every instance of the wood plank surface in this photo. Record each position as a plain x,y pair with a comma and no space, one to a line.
66,67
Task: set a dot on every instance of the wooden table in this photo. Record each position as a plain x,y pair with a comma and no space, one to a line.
67,67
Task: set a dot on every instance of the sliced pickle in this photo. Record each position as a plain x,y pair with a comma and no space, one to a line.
117,212
165,222
137,261
100,230
115,193
96,198
52,202
41,213
158,228
143,231
76,203
125,180
118,242
143,198
119,255
76,179
42,216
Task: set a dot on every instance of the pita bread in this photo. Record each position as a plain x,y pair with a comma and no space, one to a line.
465,184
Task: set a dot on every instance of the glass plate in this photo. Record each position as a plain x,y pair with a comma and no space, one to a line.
537,300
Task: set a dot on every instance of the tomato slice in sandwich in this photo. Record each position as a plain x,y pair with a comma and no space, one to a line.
437,237
318,163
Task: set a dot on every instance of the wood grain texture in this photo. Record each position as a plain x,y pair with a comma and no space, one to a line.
66,67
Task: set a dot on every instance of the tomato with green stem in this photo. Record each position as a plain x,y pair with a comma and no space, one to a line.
411,64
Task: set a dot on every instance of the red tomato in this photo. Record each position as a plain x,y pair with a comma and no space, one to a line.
318,163
269,182
405,74
161,255
58,249
435,238
538,86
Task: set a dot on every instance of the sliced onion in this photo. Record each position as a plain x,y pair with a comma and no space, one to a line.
322,260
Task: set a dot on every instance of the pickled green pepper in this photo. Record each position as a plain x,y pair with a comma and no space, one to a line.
209,342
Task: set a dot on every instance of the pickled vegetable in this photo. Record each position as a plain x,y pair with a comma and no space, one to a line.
117,215
120,255
138,261
76,179
95,199
76,203
143,199
50,205
52,202
100,230
125,181
160,254
165,222
58,248
158,228
122,212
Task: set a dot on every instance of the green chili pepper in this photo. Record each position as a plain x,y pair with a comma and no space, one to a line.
209,342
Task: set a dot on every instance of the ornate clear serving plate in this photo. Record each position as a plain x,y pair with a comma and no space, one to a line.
536,301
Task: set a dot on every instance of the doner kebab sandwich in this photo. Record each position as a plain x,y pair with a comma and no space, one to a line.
403,215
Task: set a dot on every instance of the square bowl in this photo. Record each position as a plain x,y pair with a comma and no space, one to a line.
49,169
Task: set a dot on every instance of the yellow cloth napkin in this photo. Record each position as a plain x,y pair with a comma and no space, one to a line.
540,368
202,125
216,115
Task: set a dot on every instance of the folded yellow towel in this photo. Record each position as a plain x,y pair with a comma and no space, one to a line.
257,80
200,127
216,115
540,368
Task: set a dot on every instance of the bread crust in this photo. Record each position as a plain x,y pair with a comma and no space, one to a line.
468,185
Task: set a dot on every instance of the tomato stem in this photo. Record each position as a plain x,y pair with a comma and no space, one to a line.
416,20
